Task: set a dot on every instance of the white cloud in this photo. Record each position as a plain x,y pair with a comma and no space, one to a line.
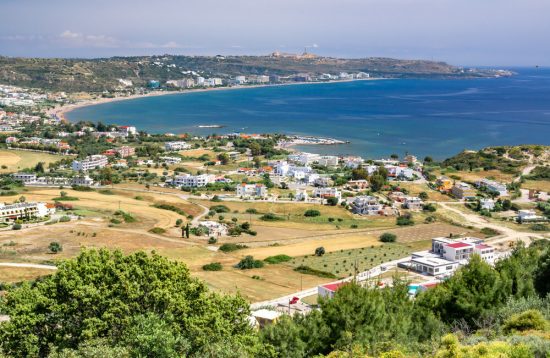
78,39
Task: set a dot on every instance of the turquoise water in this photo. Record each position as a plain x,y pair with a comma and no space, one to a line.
423,117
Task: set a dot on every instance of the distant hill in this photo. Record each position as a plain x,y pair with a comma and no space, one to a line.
96,75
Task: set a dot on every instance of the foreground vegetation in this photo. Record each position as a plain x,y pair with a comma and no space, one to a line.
110,305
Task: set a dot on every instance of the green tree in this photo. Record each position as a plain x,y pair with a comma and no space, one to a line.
423,195
320,251
55,247
223,158
542,274
101,294
376,181
388,237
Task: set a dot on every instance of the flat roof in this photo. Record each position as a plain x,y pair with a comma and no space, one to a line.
432,261
266,314
458,245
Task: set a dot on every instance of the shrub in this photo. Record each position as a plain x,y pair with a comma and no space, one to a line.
139,197
179,222
310,271
488,232
214,266
354,226
404,220
429,207
331,220
320,251
539,227
249,263
212,240
271,217
115,221
157,230
332,201
219,209
251,211
64,219
277,259
229,247
16,226
528,320
55,247
216,198
169,207
312,213
106,192
388,237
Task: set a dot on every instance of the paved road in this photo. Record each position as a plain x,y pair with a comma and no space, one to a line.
21,265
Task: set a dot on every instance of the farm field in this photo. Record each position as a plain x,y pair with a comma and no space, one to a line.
414,189
343,263
480,174
18,274
16,160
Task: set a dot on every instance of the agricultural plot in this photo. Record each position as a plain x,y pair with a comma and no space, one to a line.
15,160
345,263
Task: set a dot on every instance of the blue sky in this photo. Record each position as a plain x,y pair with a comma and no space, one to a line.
462,32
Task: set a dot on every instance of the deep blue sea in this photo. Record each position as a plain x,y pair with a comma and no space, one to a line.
422,117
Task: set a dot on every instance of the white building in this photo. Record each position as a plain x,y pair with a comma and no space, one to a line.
353,162
127,130
303,158
326,193
413,203
91,162
12,212
82,181
301,194
487,204
170,160
25,178
175,146
214,228
329,161
403,173
529,216
366,205
251,190
493,186
192,181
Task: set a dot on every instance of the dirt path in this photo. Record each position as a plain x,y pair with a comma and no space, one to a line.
20,265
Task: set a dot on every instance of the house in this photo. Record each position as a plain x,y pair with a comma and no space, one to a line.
125,151
251,190
170,160
529,216
25,178
90,162
329,290
366,205
359,184
301,195
214,228
433,266
175,146
413,203
398,172
327,193
329,161
303,158
127,130
82,181
321,182
493,186
463,190
11,140
353,162
444,184
266,317
398,196
487,204
12,212
192,181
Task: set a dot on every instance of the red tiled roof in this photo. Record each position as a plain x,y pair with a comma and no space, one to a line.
458,245
334,286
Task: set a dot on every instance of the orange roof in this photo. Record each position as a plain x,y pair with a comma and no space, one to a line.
50,206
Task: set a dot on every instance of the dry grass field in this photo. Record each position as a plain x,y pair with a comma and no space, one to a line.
415,189
542,185
16,160
480,174
18,274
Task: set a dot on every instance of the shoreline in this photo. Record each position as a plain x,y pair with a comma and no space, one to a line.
62,111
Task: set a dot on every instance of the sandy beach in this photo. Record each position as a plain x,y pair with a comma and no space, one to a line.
61,111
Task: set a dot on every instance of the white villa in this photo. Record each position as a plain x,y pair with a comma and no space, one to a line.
251,190
192,181
493,186
90,162
12,212
175,146
366,205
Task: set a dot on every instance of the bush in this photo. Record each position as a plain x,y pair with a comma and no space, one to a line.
214,266
312,213
277,259
320,251
64,219
157,230
332,201
55,247
139,197
310,271
528,320
219,209
231,247
251,211
115,221
404,220
16,226
271,217
539,227
212,240
429,207
388,237
488,232
169,207
249,263
179,222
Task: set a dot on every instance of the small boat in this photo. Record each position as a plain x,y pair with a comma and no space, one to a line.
210,126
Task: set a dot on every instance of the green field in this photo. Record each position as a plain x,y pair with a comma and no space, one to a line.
342,263
15,160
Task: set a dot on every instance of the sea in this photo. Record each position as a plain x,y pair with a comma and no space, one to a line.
423,117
